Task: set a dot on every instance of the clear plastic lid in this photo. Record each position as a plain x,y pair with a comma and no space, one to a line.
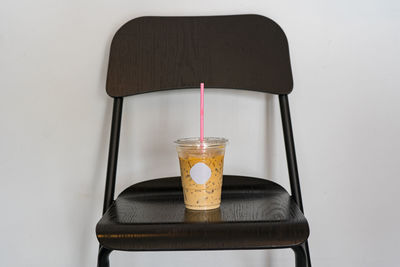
208,142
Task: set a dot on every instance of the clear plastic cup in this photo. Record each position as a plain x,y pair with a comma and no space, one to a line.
201,166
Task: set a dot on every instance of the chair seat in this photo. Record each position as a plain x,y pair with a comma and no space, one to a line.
254,213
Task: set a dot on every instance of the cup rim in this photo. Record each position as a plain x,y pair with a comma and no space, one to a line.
208,142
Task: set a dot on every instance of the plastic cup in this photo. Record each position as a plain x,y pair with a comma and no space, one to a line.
201,166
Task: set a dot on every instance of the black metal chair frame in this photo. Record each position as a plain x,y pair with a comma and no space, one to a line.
302,255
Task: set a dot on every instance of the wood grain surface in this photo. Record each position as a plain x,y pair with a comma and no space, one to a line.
254,213
161,53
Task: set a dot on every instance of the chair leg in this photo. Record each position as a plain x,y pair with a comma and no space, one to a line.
305,245
300,255
102,259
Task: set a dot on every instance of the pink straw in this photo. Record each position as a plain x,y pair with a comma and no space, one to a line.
201,112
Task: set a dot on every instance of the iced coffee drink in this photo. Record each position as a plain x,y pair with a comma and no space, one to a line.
201,165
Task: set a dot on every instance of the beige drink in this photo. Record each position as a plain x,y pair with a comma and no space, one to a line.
201,171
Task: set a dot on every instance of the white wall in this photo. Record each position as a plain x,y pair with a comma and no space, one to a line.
55,122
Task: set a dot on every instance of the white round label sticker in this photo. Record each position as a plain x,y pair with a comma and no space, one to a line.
200,173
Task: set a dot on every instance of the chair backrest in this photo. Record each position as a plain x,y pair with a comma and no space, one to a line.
160,53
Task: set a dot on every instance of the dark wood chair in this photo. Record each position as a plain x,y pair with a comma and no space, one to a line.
248,52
